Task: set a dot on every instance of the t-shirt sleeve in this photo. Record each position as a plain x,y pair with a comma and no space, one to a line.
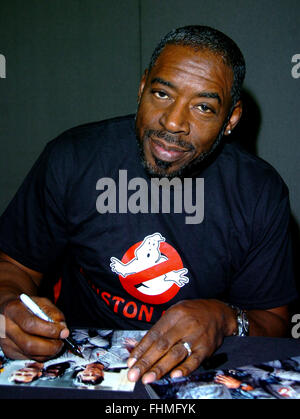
265,278
33,228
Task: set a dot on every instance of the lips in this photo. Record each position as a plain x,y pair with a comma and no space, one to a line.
166,151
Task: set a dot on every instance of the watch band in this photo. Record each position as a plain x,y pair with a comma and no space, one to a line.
242,322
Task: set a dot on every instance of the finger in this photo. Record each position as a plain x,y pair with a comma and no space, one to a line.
161,344
10,349
31,324
31,346
151,336
50,309
55,314
155,334
191,363
173,357
220,379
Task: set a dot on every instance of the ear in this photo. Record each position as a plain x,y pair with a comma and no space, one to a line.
142,85
235,117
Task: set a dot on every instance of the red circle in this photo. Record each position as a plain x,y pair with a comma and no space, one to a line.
174,262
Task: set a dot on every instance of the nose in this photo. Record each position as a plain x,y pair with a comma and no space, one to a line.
174,119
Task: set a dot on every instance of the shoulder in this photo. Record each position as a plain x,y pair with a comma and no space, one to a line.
94,133
81,145
117,124
250,172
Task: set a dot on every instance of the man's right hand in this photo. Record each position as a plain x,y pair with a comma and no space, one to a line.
26,335
29,337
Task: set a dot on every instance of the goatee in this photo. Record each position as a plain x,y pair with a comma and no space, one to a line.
192,168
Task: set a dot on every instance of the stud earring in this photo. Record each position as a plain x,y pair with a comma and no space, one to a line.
229,132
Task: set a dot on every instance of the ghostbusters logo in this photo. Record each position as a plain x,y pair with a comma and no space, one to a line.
151,270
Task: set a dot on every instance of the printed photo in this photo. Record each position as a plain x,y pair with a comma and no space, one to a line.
103,366
278,379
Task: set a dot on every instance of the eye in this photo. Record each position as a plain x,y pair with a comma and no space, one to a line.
205,108
160,94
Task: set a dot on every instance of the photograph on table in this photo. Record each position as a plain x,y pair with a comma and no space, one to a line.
103,366
279,379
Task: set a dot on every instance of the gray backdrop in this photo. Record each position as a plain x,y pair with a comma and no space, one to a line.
74,61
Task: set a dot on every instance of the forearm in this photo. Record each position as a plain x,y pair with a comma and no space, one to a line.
267,323
272,322
14,281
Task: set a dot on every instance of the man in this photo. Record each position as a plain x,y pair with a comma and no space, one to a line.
91,374
130,254
31,372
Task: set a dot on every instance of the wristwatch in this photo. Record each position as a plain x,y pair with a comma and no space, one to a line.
242,322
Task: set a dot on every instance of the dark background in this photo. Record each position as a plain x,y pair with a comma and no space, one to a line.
74,61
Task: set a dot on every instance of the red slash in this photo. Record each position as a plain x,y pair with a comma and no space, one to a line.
174,262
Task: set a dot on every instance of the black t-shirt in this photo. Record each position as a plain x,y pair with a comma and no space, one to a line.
127,249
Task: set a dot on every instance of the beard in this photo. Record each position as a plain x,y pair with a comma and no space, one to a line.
187,169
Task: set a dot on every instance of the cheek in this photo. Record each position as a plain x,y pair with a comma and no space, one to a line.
203,136
147,115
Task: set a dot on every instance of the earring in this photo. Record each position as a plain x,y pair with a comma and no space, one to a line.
229,132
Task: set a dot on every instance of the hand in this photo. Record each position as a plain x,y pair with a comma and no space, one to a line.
228,381
201,323
232,383
29,337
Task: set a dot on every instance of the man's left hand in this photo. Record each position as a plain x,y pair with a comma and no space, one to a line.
201,323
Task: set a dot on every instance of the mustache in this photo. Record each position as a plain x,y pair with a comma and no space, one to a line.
171,139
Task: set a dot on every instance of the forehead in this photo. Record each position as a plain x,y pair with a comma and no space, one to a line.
196,68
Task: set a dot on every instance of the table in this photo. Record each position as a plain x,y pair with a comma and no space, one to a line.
240,351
